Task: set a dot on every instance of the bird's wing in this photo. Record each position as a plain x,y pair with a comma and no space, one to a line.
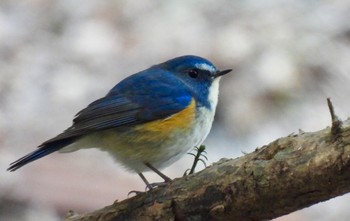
133,101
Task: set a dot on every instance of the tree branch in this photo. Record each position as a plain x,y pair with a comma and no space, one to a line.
286,175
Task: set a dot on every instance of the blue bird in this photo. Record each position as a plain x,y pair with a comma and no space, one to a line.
148,120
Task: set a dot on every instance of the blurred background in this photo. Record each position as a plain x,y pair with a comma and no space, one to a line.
58,56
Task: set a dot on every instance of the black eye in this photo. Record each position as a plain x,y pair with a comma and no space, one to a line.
194,73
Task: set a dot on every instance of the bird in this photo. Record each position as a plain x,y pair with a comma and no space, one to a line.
148,120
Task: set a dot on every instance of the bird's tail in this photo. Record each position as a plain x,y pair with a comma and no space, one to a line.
44,149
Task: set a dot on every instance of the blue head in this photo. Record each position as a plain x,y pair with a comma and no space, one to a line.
199,74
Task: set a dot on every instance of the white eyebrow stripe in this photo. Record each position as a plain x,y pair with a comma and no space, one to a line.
204,66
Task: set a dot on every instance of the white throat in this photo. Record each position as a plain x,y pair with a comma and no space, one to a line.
214,93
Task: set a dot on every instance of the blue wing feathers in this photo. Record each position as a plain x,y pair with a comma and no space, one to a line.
105,107
135,100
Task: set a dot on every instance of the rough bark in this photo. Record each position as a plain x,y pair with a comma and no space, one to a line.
286,175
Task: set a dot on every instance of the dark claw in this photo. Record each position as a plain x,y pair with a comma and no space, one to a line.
136,192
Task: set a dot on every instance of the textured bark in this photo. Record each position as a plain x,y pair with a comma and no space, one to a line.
286,175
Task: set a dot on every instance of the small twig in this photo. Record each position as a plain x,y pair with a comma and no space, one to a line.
336,122
200,153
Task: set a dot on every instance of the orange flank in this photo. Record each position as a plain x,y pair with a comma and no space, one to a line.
176,122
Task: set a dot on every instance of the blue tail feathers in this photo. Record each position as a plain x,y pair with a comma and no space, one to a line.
43,150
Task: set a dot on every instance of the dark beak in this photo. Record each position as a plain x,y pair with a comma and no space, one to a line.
220,73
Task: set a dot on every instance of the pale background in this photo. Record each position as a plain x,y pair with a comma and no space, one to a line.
58,56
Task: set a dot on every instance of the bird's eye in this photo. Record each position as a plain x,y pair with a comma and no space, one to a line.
193,73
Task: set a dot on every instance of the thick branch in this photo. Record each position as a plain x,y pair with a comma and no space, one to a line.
287,175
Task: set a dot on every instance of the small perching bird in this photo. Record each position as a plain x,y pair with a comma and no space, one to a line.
148,120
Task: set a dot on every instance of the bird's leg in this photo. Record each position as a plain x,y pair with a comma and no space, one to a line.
148,185
166,179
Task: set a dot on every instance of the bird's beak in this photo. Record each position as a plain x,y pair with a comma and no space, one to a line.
220,73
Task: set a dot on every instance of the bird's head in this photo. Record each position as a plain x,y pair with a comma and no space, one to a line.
199,74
